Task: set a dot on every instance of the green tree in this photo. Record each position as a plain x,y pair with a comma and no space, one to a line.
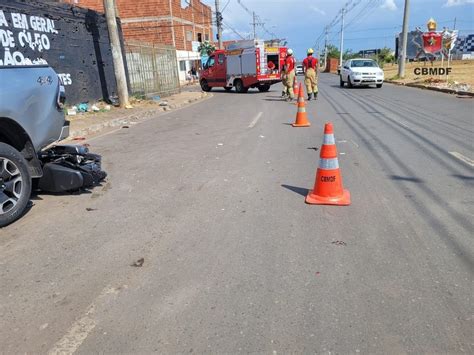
333,51
349,54
206,48
385,56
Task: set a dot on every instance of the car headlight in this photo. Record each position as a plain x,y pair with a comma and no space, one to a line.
356,74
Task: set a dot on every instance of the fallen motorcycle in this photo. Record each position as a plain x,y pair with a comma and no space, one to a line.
68,168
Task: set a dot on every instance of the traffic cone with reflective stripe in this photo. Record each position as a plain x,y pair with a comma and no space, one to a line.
328,189
295,86
301,116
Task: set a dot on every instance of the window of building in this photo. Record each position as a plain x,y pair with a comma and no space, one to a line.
184,3
199,36
206,37
182,65
189,35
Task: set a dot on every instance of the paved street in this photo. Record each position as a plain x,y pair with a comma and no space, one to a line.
212,197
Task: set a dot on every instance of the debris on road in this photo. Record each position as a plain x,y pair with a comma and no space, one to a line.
138,263
88,209
339,242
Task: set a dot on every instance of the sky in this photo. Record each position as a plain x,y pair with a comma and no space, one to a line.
370,24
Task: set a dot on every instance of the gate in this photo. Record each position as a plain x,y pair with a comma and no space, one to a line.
152,69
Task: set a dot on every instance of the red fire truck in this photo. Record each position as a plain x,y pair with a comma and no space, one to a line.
243,65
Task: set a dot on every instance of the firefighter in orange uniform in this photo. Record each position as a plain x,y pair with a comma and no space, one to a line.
289,75
310,67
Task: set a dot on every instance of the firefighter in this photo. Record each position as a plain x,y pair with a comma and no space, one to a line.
289,75
310,67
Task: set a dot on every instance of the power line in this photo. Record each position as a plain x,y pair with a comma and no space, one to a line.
233,30
225,7
257,20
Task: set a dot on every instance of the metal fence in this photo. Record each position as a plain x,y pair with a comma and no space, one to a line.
152,69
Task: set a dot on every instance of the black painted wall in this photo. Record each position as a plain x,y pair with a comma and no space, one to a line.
74,41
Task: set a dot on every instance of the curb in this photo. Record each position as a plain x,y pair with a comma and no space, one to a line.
133,117
433,88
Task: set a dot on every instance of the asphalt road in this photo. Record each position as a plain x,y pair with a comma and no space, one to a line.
212,197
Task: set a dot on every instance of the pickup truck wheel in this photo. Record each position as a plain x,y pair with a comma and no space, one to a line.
239,87
205,85
341,82
349,82
379,86
227,88
15,184
264,88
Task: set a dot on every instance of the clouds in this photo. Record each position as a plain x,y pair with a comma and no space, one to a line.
317,10
390,4
450,3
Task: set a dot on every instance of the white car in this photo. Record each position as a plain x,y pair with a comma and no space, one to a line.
299,69
361,72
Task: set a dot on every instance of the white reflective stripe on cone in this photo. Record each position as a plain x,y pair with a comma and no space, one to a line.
329,139
328,164
301,109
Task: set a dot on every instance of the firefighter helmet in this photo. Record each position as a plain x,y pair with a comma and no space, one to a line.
310,51
290,51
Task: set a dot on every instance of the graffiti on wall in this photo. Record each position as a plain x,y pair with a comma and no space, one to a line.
73,41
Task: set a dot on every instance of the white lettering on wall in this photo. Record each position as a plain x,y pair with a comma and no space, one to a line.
3,19
65,79
33,34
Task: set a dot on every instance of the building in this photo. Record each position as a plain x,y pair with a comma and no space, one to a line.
183,24
368,53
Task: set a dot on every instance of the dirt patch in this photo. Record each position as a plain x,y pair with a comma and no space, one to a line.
461,77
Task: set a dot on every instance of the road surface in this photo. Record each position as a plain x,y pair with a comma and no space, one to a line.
212,197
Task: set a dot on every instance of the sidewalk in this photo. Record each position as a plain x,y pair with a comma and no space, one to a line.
88,124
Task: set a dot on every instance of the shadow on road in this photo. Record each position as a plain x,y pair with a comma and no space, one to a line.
406,178
280,100
299,190
463,177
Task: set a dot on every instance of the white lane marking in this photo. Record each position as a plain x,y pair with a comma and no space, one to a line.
80,329
463,158
255,120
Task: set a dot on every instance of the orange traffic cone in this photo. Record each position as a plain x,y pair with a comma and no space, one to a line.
301,116
328,188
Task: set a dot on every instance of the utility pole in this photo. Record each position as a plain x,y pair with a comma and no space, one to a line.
454,24
341,46
326,49
219,24
403,52
254,27
119,66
